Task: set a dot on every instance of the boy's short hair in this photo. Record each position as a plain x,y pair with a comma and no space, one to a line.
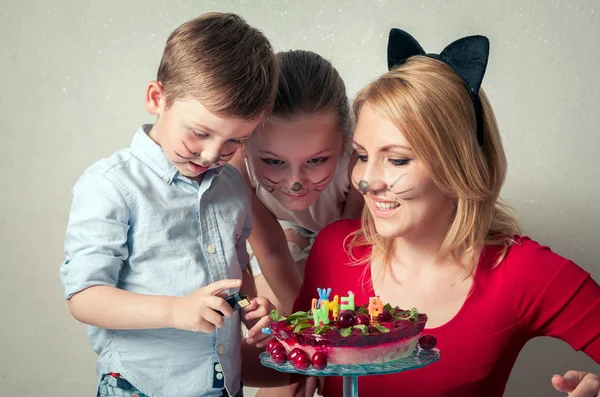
221,61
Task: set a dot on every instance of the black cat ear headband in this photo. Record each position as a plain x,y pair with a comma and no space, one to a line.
468,57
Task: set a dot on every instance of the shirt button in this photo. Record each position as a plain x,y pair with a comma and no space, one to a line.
165,178
211,249
218,368
220,349
219,376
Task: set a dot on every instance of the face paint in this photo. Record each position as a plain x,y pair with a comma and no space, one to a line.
269,184
297,187
398,187
319,186
363,186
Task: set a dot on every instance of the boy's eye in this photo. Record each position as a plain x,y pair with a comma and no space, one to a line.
272,162
399,162
318,160
235,141
225,155
199,134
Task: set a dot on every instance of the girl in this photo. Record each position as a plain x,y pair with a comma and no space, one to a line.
298,164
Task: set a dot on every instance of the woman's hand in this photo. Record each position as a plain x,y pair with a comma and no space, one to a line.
577,384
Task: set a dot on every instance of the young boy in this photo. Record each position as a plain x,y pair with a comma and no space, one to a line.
157,232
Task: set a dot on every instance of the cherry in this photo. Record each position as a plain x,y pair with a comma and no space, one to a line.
384,316
276,350
346,319
294,353
319,360
273,343
279,357
300,360
361,319
427,342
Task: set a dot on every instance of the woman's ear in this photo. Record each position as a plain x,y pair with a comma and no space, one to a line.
155,98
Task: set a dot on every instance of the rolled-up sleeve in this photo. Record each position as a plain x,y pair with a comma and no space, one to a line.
96,236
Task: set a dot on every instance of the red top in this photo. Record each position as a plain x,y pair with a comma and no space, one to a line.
532,292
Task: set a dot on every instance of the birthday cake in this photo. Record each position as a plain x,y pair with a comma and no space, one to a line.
338,332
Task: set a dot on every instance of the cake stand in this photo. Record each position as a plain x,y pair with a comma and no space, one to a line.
350,373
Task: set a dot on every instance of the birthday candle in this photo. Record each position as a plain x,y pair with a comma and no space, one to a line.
375,308
333,306
348,302
321,315
323,295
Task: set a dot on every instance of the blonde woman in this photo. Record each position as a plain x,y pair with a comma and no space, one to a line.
434,235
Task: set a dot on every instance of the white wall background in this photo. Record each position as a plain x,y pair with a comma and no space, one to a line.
72,80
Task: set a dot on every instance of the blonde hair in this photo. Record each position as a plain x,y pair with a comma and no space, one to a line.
429,103
221,61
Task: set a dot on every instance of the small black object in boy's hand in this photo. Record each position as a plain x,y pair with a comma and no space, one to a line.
236,301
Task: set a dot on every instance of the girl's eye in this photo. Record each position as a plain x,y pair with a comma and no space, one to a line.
318,160
199,134
272,162
235,141
399,162
363,158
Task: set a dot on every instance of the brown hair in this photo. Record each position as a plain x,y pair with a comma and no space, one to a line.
221,61
310,84
429,103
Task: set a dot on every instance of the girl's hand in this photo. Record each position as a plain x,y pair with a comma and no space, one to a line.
256,317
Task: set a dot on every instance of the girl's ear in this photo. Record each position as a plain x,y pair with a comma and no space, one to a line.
244,150
346,143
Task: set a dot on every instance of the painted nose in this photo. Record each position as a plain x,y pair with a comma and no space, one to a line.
365,186
299,176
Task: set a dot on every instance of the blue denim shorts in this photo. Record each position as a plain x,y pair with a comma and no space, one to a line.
115,386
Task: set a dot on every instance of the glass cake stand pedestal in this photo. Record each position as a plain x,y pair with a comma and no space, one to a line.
350,373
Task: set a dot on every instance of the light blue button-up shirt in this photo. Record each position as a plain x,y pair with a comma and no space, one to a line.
138,225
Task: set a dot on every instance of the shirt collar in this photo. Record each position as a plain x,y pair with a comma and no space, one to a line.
153,156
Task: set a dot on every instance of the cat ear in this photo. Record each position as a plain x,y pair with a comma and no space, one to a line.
401,46
468,57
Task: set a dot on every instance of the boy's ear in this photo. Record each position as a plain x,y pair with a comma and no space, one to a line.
155,98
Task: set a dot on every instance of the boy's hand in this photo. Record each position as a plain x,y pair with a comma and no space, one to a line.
256,317
196,311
